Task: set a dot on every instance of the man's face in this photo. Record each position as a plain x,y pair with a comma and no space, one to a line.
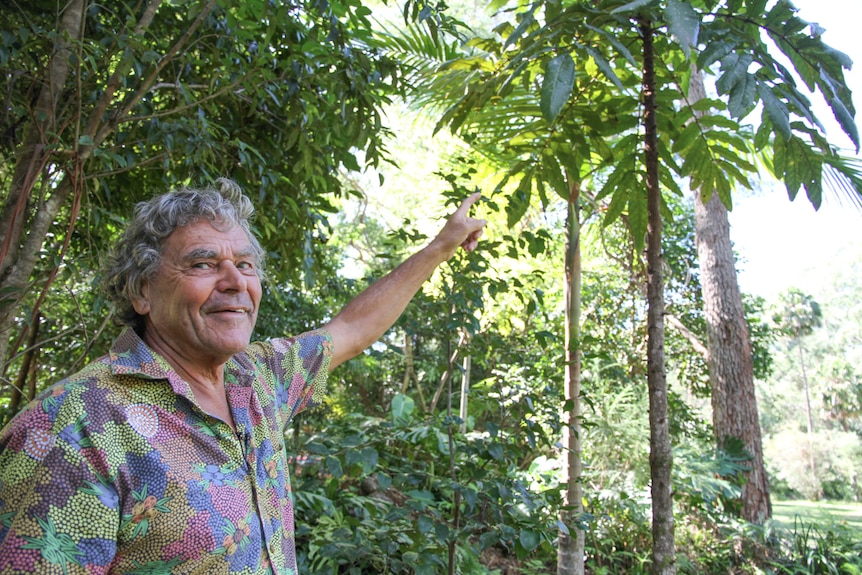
202,304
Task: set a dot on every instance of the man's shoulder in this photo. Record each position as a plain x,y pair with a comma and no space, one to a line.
315,342
95,374
279,358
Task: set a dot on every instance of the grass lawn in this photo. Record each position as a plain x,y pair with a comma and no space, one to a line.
822,513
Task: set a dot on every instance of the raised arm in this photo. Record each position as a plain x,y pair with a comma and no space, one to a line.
372,312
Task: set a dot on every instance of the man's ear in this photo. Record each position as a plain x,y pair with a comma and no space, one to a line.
142,303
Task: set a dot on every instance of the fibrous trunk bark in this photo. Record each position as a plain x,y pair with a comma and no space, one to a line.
730,363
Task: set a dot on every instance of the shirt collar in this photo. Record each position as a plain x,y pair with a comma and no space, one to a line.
131,356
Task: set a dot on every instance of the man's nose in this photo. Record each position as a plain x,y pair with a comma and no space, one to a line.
231,278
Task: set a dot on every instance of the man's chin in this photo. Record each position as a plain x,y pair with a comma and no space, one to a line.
230,346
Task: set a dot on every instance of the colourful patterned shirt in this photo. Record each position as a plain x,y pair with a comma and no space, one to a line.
118,470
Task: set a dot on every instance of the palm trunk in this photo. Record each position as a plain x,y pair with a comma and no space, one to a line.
661,457
570,553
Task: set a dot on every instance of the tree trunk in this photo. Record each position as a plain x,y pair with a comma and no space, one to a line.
570,553
31,160
465,391
661,456
808,418
731,372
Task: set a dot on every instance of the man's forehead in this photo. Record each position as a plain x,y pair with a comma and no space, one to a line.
202,239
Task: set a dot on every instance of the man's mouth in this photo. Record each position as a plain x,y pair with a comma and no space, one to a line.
232,310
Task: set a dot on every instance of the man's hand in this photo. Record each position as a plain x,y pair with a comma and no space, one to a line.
461,229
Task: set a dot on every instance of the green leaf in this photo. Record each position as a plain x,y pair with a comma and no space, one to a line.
735,69
369,459
529,539
743,97
775,110
529,18
402,408
638,216
619,200
614,41
519,201
632,6
845,119
801,166
843,59
333,466
317,448
605,67
557,85
552,174
442,531
443,443
562,526
684,23
425,524
714,52
686,137
352,457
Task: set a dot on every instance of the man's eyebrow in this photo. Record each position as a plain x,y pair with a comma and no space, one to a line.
246,252
201,254
210,254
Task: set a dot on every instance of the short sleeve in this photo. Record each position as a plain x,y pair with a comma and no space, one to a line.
296,369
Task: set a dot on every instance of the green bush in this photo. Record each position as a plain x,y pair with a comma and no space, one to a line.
408,496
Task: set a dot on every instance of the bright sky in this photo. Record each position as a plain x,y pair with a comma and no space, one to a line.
787,244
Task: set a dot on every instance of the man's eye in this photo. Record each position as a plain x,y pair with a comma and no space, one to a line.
201,265
245,265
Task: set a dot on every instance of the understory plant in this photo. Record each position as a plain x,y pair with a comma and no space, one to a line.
403,495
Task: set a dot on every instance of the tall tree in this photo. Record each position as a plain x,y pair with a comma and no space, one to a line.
729,356
798,317
570,552
660,453
748,73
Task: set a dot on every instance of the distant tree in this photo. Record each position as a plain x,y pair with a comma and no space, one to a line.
798,316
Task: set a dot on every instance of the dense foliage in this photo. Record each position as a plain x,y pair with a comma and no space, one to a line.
388,477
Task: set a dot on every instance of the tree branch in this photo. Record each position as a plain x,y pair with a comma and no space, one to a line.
674,322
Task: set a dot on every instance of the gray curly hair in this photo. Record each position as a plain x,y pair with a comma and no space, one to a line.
138,254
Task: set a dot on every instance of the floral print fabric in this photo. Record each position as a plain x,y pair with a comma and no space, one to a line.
118,470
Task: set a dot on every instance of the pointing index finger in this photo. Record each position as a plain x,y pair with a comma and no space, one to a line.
469,201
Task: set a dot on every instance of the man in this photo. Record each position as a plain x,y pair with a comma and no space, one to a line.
167,455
